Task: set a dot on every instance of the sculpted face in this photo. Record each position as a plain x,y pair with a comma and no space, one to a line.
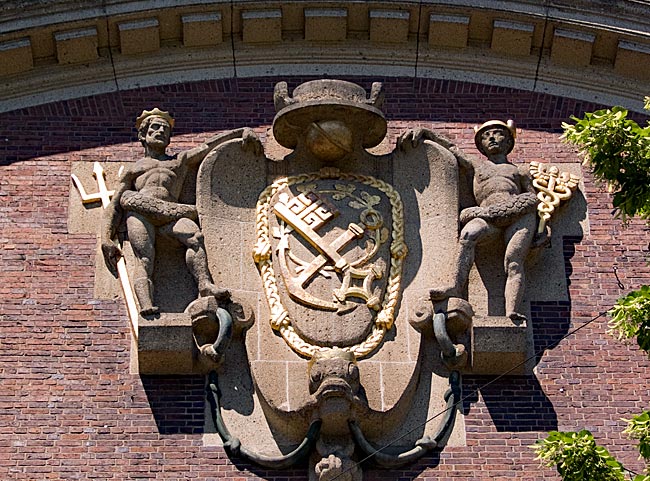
496,141
158,134
333,373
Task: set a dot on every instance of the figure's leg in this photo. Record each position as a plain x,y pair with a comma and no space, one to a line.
518,239
470,236
189,234
142,236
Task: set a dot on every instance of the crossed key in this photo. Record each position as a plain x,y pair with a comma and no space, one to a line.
328,251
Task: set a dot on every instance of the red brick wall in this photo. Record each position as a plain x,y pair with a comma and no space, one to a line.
69,409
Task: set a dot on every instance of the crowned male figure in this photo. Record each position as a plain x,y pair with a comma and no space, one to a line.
147,198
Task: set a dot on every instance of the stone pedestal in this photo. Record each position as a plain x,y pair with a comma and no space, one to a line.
165,345
499,346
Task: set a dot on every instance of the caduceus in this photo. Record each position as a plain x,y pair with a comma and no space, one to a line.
553,187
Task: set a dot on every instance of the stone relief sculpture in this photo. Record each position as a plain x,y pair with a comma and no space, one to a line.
146,199
552,187
331,252
344,336
505,205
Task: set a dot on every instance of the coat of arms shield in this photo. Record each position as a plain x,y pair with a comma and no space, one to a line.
338,246
320,246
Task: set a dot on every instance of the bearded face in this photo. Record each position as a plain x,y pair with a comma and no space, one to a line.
158,134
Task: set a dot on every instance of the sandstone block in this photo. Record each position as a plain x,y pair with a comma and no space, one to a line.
139,36
499,345
389,26
165,345
76,46
202,29
262,26
512,38
16,56
326,24
572,48
632,60
448,31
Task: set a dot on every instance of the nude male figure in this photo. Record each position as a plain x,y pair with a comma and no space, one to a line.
505,205
147,197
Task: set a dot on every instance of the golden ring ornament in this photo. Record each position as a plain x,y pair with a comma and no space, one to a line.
279,316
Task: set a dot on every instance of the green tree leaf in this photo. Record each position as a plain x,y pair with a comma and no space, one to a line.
577,457
618,151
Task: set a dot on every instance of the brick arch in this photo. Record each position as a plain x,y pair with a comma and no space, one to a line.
216,105
72,409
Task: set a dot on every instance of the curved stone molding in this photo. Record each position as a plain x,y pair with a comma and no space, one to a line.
590,50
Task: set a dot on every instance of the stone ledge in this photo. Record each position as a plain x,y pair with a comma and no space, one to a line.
498,346
28,89
166,346
188,49
625,15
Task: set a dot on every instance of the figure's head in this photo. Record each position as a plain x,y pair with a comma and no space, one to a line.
155,129
495,137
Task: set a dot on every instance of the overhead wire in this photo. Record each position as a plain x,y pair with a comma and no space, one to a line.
472,394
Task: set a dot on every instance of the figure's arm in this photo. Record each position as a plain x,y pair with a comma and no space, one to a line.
413,138
251,143
526,181
111,221
465,161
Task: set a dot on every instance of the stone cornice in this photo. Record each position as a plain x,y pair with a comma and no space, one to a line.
51,50
625,16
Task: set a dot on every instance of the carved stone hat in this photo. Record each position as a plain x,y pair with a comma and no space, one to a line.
327,100
491,124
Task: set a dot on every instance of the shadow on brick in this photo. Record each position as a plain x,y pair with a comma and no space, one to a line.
177,403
